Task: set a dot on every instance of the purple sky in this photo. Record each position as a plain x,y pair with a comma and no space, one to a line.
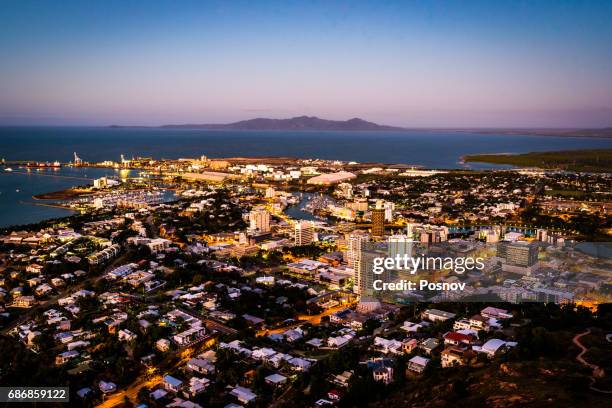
413,64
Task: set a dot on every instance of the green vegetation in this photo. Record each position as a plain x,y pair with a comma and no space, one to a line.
598,160
566,193
590,227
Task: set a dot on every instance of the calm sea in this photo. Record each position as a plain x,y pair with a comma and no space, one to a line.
17,188
433,149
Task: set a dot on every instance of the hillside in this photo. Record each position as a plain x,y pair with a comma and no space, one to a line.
292,124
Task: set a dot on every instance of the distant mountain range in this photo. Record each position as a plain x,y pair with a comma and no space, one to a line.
298,123
313,123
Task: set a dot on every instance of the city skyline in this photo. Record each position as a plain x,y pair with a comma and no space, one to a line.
439,64
306,203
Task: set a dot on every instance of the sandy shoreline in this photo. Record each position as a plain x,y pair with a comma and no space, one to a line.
66,194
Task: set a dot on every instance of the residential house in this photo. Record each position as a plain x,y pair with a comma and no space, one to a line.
409,344
196,386
388,346
293,334
493,347
66,356
458,339
200,366
276,380
158,394
490,312
429,345
342,379
263,354
162,345
172,384
436,315
24,302
479,323
339,341
383,374
454,356
243,394
126,335
299,364
416,365
189,336
34,268
107,387
411,327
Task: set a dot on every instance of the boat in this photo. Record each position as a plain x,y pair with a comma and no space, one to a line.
8,169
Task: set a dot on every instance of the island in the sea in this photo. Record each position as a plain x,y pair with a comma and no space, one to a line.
297,123
313,123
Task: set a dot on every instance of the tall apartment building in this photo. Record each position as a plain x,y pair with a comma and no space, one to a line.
364,274
518,253
389,209
355,243
361,204
399,245
542,235
270,192
102,182
411,229
429,234
378,220
518,257
304,233
259,219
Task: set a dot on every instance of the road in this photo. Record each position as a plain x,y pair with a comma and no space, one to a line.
598,372
131,392
312,319
316,319
583,350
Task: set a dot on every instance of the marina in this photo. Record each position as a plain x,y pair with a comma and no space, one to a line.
18,188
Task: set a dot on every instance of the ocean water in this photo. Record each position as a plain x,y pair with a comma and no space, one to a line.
432,149
17,206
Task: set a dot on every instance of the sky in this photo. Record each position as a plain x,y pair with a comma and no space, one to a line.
432,63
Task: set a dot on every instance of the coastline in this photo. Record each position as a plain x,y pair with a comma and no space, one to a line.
51,205
66,194
604,133
591,160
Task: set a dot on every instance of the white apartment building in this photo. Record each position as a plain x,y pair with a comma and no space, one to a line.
304,233
259,219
